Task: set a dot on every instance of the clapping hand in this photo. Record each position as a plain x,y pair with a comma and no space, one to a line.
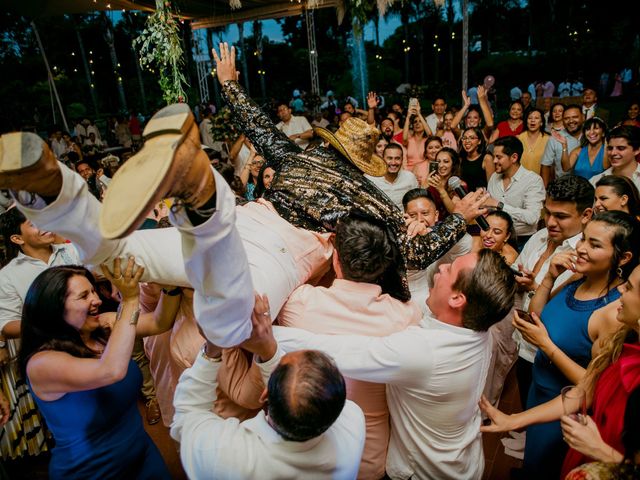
562,140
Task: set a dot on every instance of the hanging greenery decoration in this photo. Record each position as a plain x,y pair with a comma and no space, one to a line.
160,48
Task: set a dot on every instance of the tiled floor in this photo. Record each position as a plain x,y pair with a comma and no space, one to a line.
497,464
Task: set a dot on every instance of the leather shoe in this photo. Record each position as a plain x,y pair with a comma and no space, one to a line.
170,164
152,411
27,163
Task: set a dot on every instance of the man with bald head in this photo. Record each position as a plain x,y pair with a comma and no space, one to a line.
308,427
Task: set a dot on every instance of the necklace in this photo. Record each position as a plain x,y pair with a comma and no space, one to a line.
530,148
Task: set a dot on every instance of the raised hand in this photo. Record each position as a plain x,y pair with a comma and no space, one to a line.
226,63
126,282
471,206
372,100
560,138
466,101
562,262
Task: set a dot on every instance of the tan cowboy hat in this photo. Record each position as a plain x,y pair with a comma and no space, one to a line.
357,140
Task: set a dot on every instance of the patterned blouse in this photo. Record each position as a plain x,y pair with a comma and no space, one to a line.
314,189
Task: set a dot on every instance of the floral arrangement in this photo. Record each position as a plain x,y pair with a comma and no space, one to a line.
160,47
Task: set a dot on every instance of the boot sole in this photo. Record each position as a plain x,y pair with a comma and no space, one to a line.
20,153
145,178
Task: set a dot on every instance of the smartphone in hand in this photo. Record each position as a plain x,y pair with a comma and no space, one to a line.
526,316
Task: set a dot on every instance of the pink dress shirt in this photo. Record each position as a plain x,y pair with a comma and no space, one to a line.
355,308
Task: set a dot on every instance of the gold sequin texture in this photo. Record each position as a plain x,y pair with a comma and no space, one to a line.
314,189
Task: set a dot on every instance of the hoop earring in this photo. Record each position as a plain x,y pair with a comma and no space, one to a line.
619,272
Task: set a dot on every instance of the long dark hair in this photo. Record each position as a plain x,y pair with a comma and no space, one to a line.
260,188
626,238
482,146
623,186
511,230
43,325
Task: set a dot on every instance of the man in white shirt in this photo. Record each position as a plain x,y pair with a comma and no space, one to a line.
297,128
514,189
308,428
561,143
439,106
33,251
58,145
397,181
206,136
623,147
433,371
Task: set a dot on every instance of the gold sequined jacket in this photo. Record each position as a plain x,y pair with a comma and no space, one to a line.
314,189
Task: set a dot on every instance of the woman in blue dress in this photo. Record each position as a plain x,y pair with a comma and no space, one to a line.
590,158
565,328
78,364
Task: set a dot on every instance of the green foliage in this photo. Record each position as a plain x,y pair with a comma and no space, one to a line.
160,48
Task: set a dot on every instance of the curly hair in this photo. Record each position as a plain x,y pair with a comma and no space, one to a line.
572,188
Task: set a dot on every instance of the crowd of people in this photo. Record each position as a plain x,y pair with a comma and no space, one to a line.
336,298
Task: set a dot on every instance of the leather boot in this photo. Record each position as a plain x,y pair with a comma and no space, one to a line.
27,163
171,164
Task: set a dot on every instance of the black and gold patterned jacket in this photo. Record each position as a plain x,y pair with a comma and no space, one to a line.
314,189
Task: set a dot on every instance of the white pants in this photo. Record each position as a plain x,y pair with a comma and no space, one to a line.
223,259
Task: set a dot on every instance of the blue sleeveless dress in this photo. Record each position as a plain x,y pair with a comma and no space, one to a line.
567,321
583,167
99,434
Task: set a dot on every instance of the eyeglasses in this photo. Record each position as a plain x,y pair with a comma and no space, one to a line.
464,139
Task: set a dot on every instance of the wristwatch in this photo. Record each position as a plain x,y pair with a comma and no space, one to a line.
203,352
173,292
500,205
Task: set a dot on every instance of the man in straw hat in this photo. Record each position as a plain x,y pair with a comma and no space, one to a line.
285,236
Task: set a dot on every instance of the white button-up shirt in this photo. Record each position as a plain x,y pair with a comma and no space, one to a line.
531,253
213,447
635,176
296,125
16,278
395,190
435,375
522,198
553,152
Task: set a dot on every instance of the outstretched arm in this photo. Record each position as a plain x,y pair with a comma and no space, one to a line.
422,250
270,142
